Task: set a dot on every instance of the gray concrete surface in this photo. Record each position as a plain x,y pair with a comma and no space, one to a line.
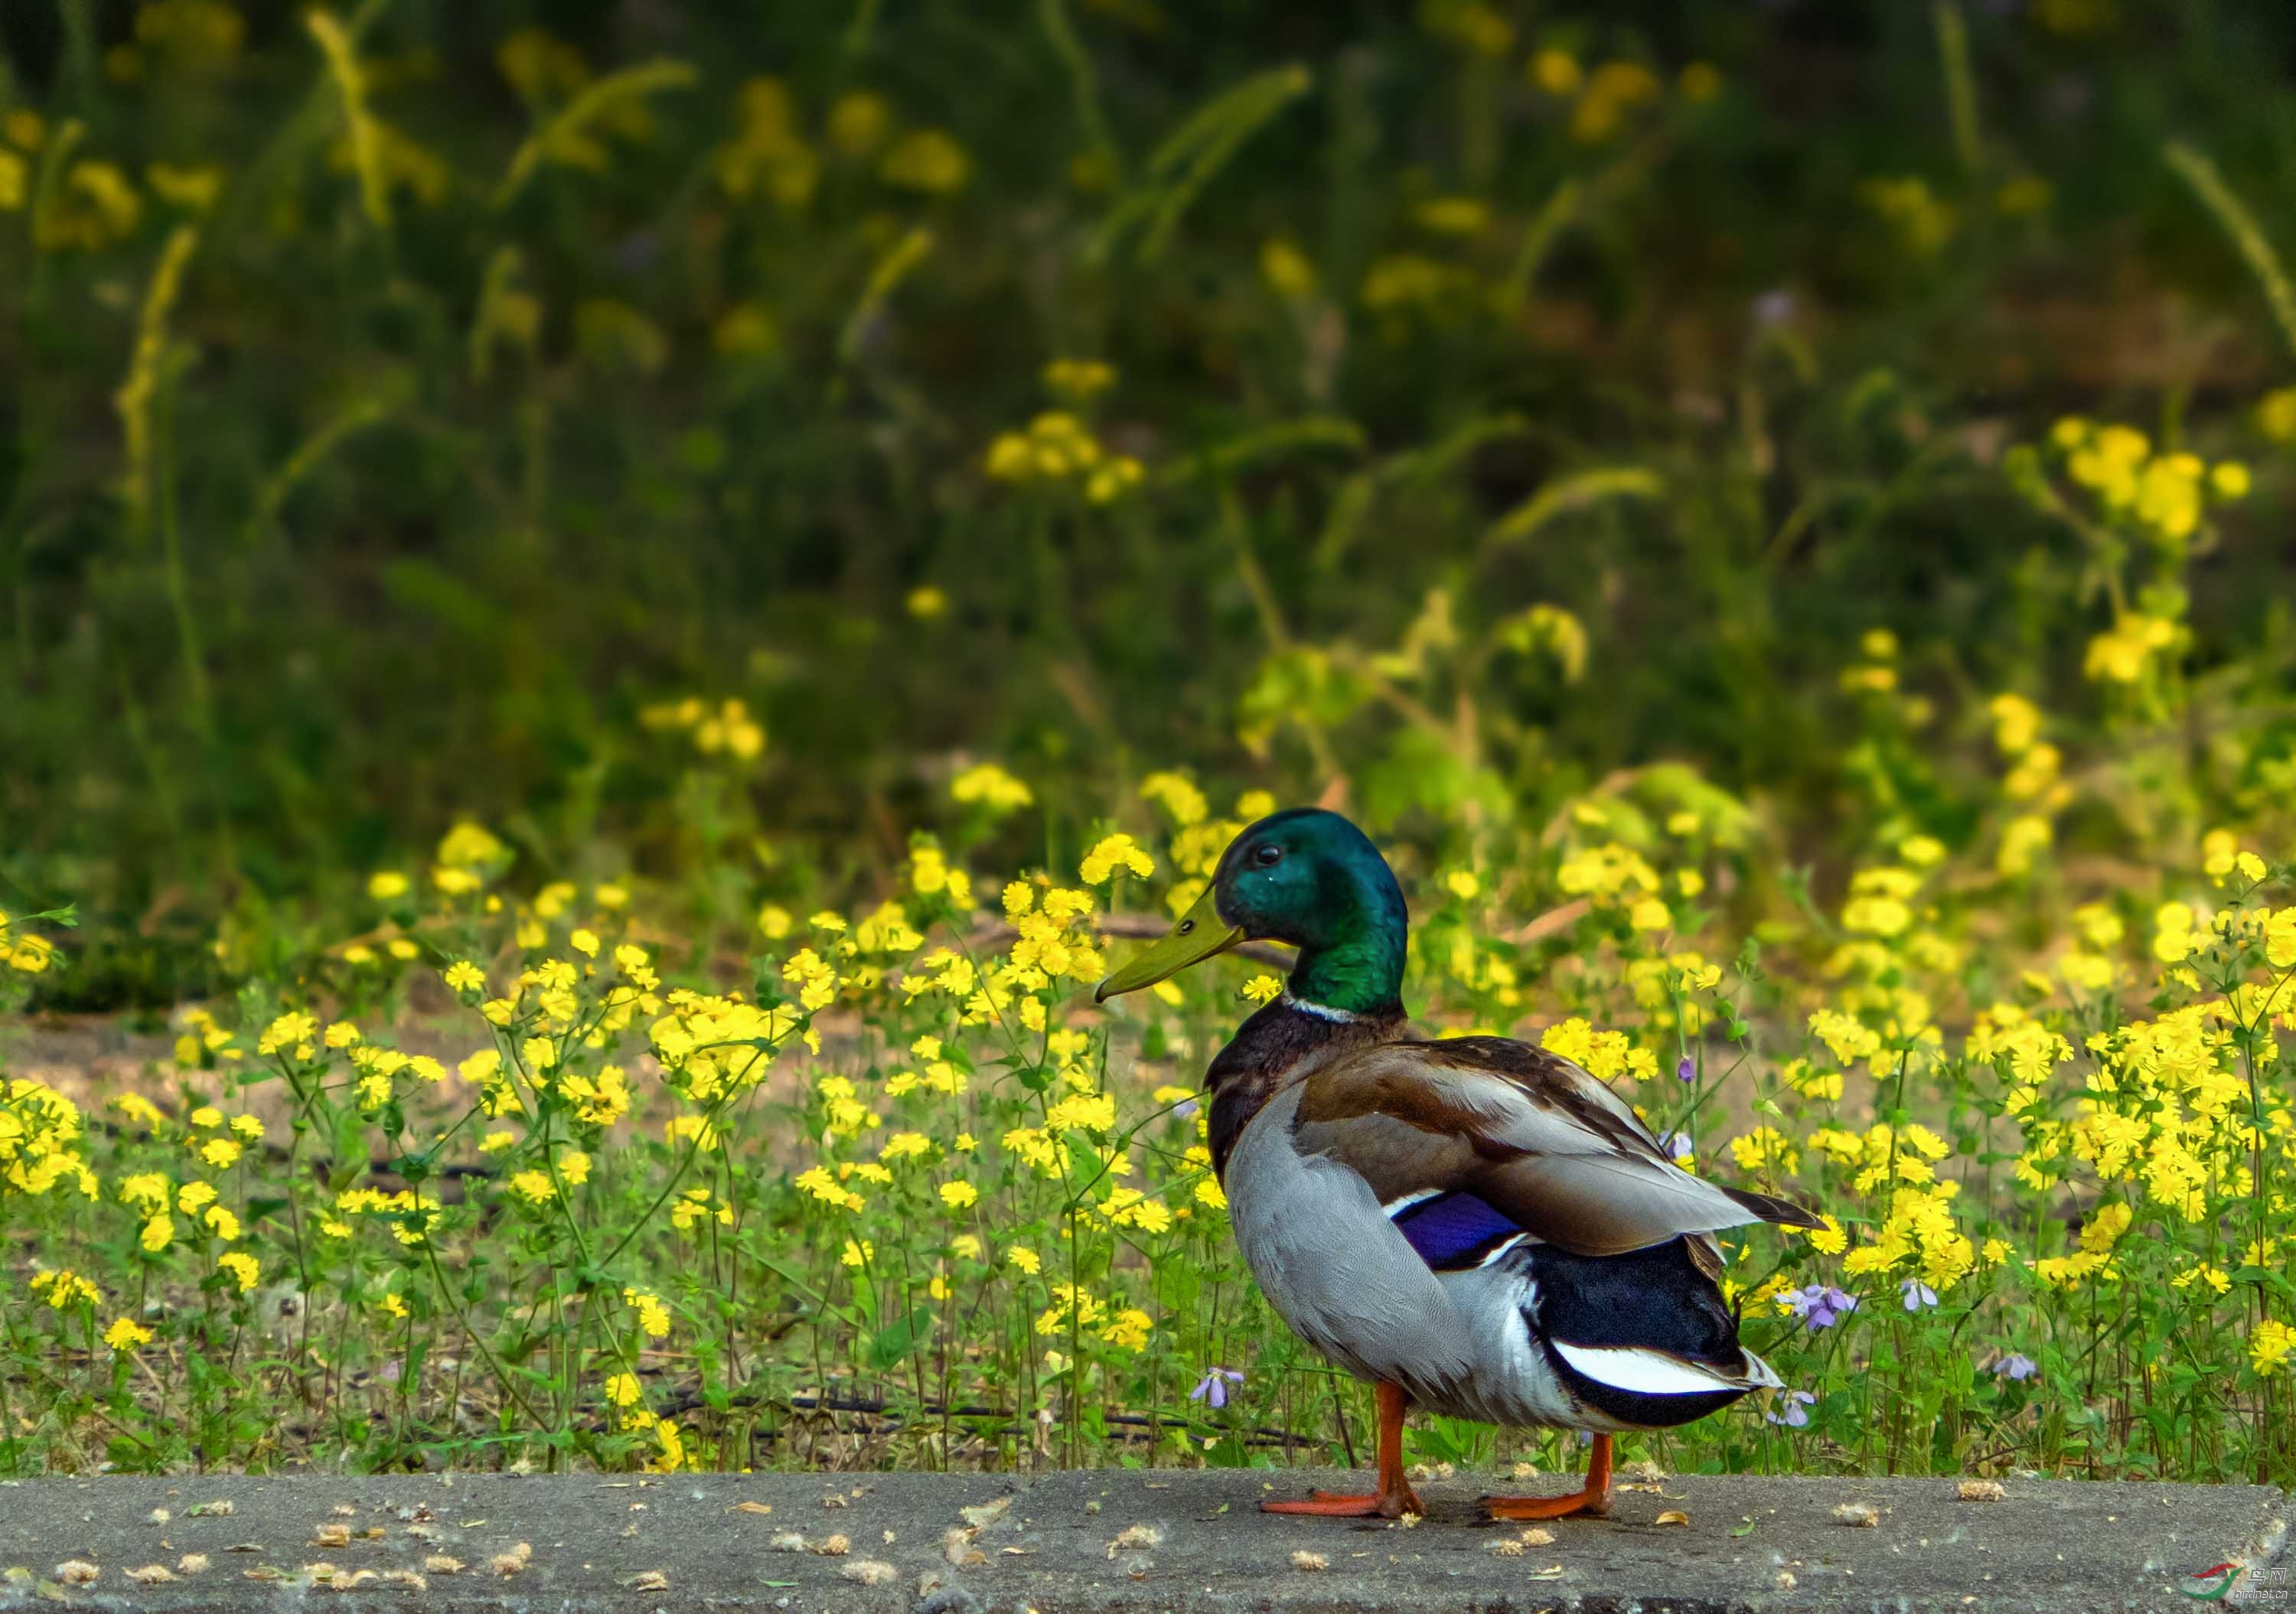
1112,1540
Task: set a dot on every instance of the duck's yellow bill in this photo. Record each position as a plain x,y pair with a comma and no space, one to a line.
1201,934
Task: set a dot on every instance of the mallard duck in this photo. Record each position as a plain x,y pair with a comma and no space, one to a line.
1476,1227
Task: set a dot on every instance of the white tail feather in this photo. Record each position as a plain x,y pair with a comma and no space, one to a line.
1759,1375
1650,1372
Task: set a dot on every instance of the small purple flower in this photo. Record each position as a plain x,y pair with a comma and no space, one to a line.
1213,1387
1678,1146
1685,1069
1185,1108
1797,1403
1820,1306
2016,1365
1917,1294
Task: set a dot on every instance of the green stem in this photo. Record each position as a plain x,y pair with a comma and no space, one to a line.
501,1378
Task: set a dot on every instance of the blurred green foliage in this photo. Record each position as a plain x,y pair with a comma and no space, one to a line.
396,405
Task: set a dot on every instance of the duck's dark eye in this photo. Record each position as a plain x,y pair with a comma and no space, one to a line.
1186,925
1268,857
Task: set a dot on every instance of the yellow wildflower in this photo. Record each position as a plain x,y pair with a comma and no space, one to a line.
1113,853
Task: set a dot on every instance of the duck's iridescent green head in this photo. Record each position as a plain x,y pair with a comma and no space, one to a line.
1303,876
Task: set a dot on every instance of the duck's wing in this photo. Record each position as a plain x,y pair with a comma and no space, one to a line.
1472,1142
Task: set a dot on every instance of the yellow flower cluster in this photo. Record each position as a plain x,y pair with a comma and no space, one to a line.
991,787
727,728
1922,221
411,1217
42,1137
1114,852
712,1046
1078,380
1613,92
468,857
768,158
1051,944
1601,1053
65,1288
1918,1233
2269,1343
932,874
2094,1259
2166,494
24,951
2131,648
1059,448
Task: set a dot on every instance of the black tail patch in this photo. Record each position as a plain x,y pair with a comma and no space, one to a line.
1655,1299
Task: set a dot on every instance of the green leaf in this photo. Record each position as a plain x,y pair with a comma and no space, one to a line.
890,1345
1192,155
1565,495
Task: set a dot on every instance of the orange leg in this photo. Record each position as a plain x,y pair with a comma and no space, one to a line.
1393,1499
1595,1499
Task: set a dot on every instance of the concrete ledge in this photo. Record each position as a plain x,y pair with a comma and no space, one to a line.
1115,1540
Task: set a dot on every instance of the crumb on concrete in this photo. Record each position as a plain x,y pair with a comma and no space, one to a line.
1133,1537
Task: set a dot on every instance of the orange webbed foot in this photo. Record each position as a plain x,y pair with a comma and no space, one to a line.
1340,1504
1510,1509
1593,1499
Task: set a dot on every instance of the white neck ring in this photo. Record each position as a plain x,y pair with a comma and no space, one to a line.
1320,1010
